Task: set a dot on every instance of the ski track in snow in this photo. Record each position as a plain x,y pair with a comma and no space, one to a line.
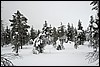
51,57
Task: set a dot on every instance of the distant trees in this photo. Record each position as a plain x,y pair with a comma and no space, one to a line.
7,36
81,33
33,33
80,25
48,32
61,30
19,30
54,35
61,34
45,28
68,32
2,34
71,32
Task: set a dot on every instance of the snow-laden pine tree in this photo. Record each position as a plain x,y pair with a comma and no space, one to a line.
61,30
45,28
69,34
19,30
94,25
80,25
81,34
55,36
91,29
47,31
72,33
61,34
94,34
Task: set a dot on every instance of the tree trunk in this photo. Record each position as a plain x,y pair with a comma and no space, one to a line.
17,50
21,45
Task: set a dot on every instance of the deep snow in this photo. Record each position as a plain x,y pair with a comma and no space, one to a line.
51,57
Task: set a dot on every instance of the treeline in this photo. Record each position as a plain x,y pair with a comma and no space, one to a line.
18,35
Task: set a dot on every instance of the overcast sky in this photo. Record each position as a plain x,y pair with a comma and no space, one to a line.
53,12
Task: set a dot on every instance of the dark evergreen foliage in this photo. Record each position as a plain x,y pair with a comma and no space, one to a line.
19,30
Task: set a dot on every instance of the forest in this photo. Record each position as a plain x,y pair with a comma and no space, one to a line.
18,36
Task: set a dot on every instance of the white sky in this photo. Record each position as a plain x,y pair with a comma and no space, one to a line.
53,12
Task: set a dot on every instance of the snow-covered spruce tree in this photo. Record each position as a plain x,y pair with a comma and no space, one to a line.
45,28
47,31
91,29
50,30
24,31
50,34
54,35
33,33
61,34
80,25
19,30
69,34
81,34
7,36
94,25
72,33
61,30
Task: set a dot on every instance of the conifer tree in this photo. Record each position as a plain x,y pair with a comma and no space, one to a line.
33,33
45,28
19,30
61,30
81,34
54,35
69,32
80,25
72,33
61,34
94,30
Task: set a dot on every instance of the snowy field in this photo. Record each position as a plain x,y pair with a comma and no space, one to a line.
51,57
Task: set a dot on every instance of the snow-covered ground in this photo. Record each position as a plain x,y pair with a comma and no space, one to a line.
51,57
